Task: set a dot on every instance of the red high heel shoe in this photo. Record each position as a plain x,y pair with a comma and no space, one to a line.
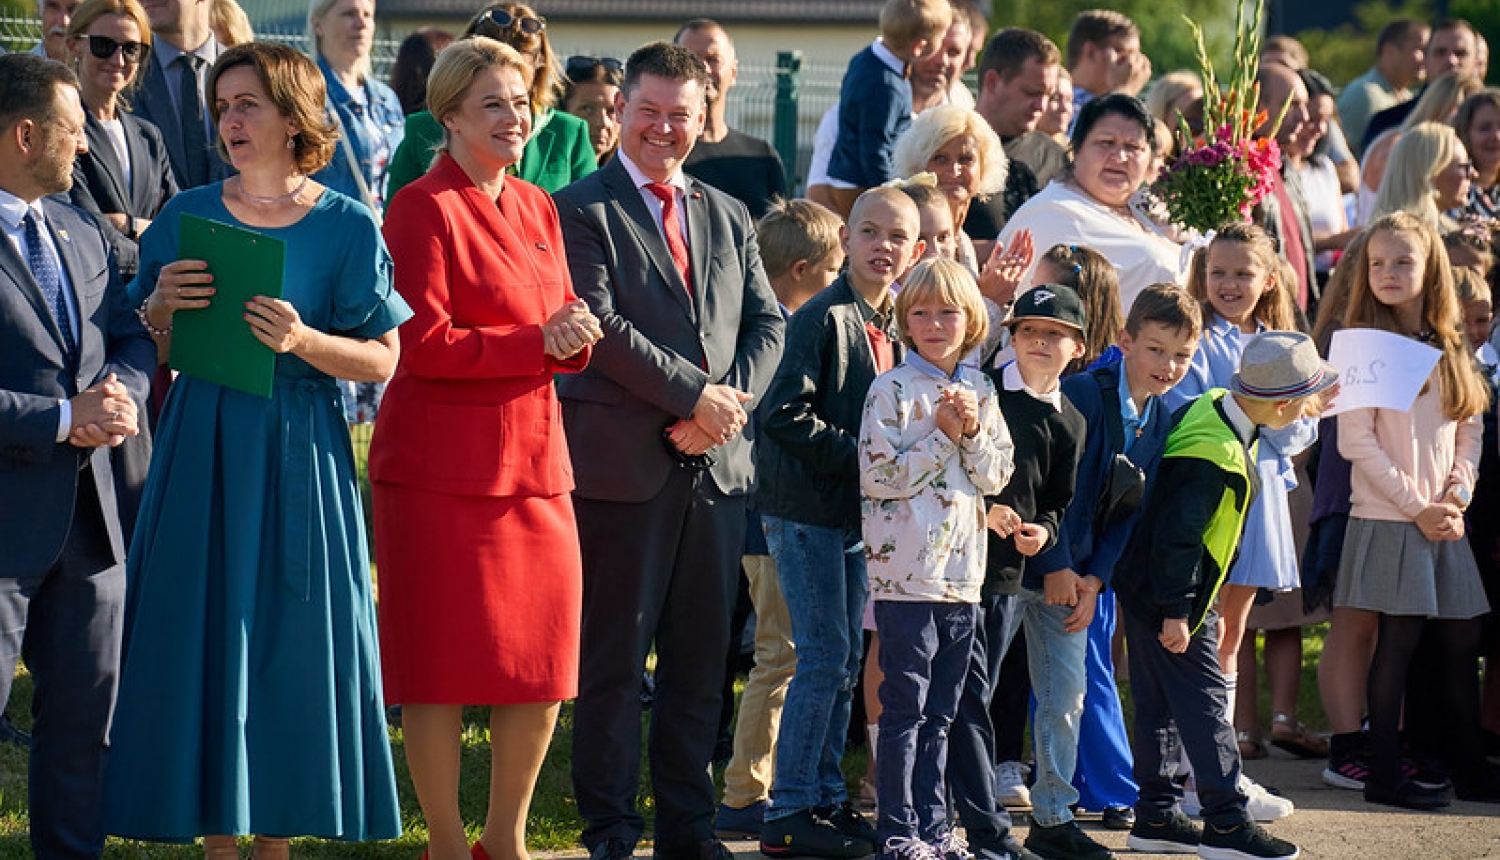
479,853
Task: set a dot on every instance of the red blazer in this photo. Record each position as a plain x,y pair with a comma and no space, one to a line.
472,409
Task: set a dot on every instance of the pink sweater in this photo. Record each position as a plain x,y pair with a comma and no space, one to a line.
1405,461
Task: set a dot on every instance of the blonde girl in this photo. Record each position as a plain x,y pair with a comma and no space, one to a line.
1406,563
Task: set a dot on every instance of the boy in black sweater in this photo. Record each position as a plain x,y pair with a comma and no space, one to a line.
1047,329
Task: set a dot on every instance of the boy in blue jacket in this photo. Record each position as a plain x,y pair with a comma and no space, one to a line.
1121,402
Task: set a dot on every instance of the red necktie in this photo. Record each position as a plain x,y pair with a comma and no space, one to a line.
671,225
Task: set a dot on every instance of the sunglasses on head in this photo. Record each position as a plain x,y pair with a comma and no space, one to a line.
580,68
103,47
526,24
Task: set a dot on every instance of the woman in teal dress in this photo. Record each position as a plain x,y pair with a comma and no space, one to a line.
558,151
250,698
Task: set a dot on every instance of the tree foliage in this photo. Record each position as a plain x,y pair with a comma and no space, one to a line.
1345,52
1164,39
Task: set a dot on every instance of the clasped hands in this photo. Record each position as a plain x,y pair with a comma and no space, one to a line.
1441,520
957,413
718,416
568,331
103,414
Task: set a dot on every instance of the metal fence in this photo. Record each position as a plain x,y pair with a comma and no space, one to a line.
781,103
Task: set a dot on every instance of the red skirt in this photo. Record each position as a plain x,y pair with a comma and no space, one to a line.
480,597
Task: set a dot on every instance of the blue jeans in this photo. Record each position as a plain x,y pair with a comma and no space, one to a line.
1103,777
924,653
1055,658
822,573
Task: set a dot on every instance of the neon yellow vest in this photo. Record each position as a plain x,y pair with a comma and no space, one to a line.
1203,435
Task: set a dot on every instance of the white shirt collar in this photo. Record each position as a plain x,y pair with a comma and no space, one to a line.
641,180
1011,379
13,209
1243,426
887,56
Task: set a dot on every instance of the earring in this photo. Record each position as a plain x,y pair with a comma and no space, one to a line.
291,141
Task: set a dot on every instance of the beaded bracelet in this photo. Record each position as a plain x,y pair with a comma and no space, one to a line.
145,318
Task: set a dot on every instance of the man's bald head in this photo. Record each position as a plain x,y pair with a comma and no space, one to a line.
1280,86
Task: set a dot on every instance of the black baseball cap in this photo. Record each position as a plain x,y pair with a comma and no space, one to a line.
1051,302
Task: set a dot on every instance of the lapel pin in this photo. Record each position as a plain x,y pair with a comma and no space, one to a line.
63,235
541,246
697,195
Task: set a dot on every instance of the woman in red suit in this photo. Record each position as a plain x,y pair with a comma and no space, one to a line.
480,578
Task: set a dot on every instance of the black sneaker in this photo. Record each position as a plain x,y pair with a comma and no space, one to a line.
1175,835
847,820
803,834
1406,794
613,848
1347,770
1480,783
1119,817
1248,841
1064,842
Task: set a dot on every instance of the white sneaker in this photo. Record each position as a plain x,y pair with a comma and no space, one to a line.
1261,805
1010,785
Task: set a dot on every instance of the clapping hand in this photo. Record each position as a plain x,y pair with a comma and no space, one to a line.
568,331
1002,272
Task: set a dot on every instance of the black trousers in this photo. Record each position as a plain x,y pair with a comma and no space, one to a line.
657,574
1179,704
66,624
971,738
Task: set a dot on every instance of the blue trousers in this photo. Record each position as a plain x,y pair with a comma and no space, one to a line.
1104,761
924,651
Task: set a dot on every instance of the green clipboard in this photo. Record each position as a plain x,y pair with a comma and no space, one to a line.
215,343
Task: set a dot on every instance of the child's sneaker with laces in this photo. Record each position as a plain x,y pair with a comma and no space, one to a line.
951,846
1247,841
907,848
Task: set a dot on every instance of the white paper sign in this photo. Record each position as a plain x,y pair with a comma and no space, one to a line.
1379,369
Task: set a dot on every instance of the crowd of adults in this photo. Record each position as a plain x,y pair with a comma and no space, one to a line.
542,280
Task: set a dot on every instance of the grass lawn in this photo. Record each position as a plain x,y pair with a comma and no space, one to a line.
554,821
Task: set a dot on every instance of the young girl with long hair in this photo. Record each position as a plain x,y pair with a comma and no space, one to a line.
1094,277
1406,558
1238,279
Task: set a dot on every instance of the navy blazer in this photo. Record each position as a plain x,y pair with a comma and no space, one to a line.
153,103
660,348
39,475
99,181
1095,395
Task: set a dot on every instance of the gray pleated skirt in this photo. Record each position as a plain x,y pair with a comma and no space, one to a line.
1390,567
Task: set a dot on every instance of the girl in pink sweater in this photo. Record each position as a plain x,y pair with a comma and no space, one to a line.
1406,561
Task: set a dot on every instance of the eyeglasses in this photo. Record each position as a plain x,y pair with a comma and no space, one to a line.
580,68
103,47
526,24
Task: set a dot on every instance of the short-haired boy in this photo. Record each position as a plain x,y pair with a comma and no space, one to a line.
807,491
1120,401
1048,326
801,250
1173,566
932,445
875,98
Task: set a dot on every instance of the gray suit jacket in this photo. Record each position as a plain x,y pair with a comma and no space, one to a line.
99,181
38,475
153,103
660,348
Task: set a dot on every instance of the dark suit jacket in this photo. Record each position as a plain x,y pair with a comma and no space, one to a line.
153,103
660,348
38,475
99,181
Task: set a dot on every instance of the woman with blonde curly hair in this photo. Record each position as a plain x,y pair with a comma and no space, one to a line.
958,146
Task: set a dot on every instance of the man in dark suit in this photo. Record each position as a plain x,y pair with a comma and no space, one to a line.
172,95
692,335
74,364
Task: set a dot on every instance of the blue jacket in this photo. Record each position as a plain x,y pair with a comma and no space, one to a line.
874,108
385,110
1095,394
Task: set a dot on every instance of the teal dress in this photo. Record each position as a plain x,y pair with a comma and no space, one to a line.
250,698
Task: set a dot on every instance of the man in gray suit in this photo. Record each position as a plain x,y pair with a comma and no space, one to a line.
172,95
74,365
692,335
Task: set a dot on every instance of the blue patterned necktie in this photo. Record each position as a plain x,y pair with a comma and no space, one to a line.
48,278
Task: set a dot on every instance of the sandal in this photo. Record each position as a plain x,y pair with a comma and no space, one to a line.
1250,748
221,848
1294,738
270,848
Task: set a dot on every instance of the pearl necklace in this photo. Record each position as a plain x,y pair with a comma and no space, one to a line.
271,201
